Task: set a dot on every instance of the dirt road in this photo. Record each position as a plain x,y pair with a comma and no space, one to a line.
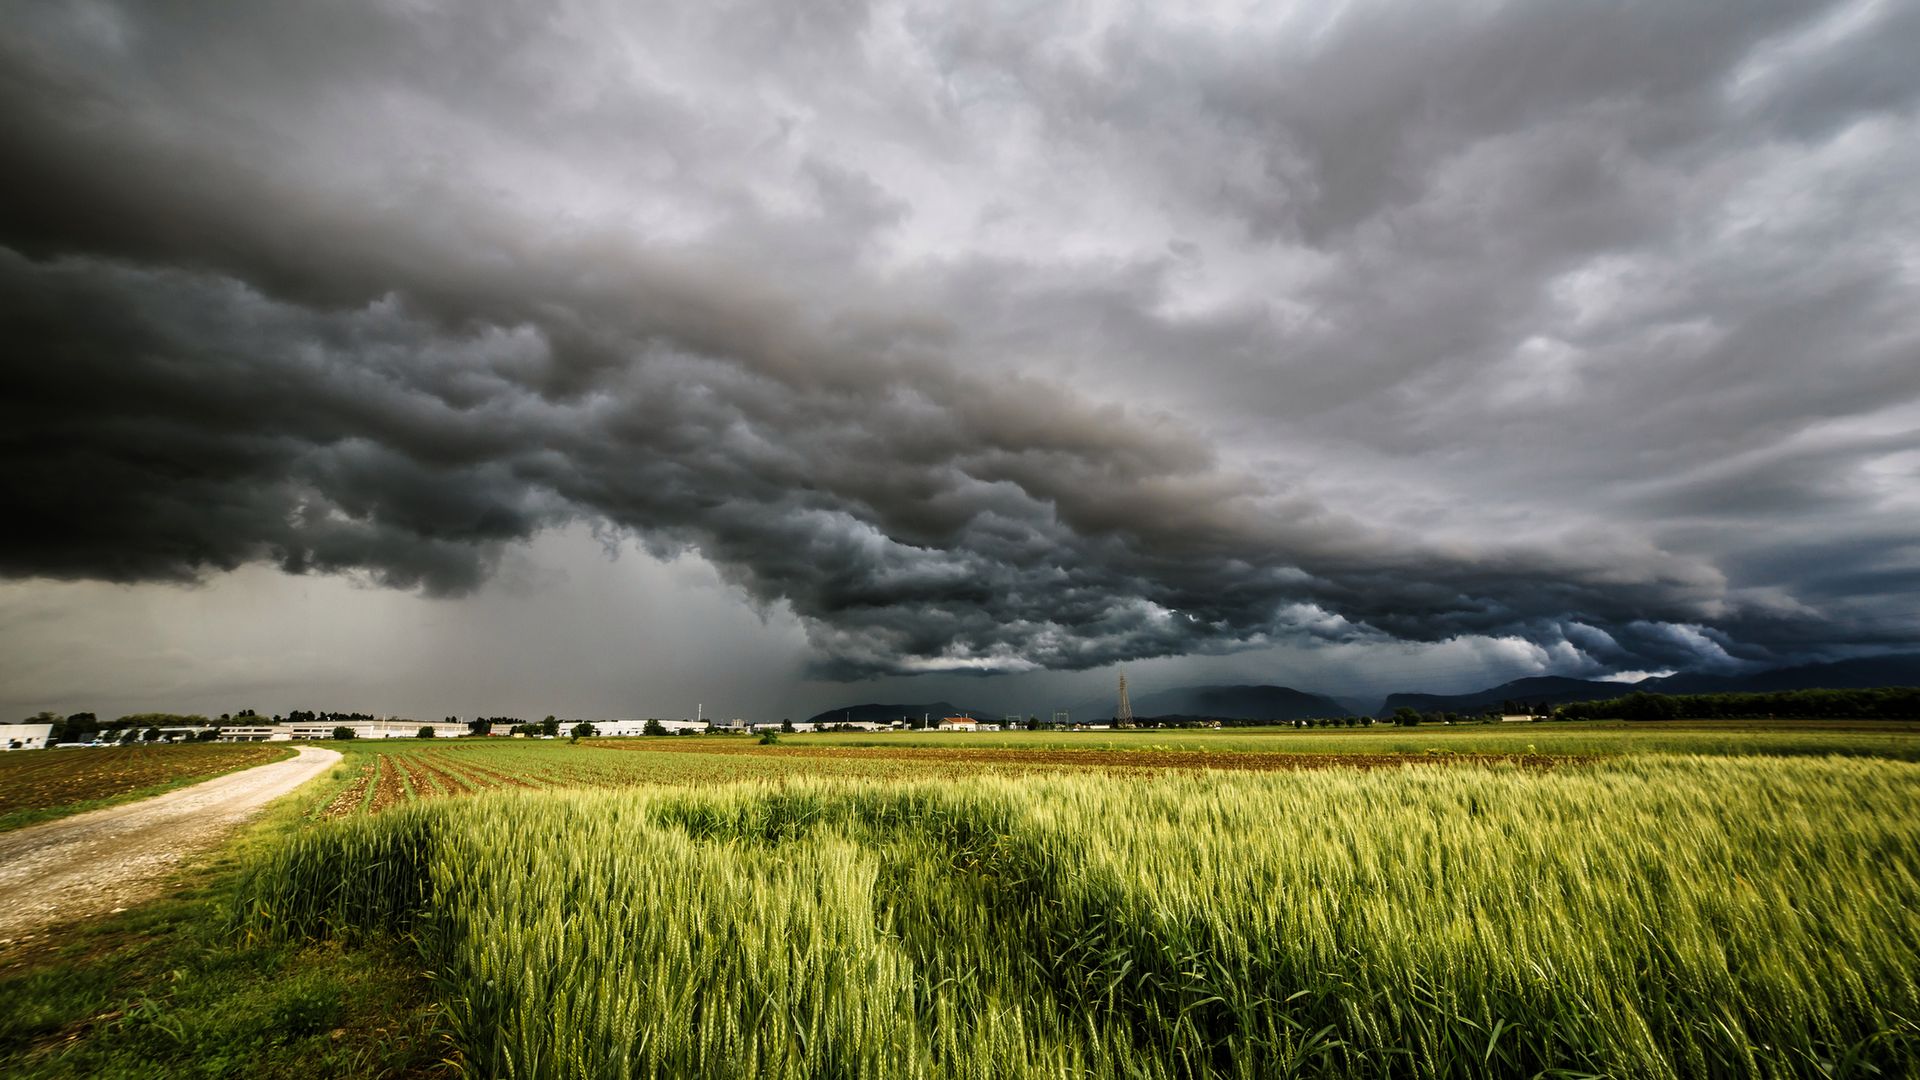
105,860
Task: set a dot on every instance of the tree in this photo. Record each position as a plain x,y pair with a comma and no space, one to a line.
152,734
1033,723
1644,706
583,730
653,727
425,732
1406,717
769,738
343,732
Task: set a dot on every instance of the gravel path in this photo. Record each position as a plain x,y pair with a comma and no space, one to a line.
107,860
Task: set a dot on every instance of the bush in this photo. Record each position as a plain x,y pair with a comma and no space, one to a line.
654,727
343,732
425,732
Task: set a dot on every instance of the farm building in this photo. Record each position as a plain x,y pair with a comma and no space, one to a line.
959,723
24,736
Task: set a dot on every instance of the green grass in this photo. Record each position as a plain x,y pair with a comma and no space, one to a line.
1644,916
165,990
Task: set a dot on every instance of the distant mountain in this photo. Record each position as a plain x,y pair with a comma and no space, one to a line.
882,714
1900,670
1537,690
1232,703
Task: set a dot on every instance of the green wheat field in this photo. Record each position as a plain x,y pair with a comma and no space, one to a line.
1641,916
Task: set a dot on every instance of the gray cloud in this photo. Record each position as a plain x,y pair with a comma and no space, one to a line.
988,345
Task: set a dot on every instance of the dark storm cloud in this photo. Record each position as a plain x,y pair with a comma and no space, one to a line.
385,294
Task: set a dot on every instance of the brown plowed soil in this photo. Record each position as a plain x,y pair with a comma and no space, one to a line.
493,777
351,796
387,790
417,779
1125,760
450,782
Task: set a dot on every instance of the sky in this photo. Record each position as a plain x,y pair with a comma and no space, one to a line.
754,357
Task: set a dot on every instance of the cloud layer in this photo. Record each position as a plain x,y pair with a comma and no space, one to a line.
988,340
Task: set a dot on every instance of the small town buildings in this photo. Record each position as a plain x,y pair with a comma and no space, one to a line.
24,736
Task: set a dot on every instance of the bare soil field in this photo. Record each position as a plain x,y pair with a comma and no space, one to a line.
34,784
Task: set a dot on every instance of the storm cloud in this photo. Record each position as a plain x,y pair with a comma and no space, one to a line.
992,340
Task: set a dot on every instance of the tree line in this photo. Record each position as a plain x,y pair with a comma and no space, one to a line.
1878,703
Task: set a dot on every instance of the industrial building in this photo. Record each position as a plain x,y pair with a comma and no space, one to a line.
24,736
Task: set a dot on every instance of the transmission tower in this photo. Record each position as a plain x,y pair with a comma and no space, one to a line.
1124,716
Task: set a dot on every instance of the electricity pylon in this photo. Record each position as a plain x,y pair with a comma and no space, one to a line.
1124,716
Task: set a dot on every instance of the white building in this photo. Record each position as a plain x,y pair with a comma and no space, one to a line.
24,736
256,733
403,729
625,728
323,729
959,723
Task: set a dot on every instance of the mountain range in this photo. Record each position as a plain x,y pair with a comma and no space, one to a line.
1900,670
1283,703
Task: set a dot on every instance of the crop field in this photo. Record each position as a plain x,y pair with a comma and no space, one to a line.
41,784
380,775
1630,916
1895,739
